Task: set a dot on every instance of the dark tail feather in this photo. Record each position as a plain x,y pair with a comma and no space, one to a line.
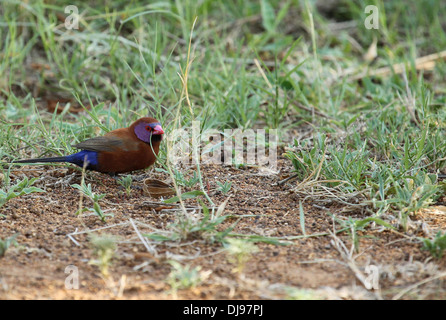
42,160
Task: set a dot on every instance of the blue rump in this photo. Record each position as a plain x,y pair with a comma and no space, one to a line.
85,155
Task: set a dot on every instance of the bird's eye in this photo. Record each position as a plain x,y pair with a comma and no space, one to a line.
149,128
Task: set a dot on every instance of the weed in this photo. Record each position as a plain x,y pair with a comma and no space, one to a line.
353,226
239,252
436,245
186,195
87,191
293,293
224,187
5,243
22,187
413,194
182,180
126,182
205,226
104,248
185,276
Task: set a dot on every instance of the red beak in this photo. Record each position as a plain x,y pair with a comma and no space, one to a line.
158,130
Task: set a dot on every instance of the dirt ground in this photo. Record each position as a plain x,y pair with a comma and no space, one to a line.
307,267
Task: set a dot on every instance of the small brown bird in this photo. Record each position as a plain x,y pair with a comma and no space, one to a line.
118,151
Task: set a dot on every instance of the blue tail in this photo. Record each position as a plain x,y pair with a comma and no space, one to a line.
78,159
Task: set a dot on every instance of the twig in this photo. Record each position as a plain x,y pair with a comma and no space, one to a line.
340,246
312,110
422,63
287,179
144,242
403,292
70,235
72,239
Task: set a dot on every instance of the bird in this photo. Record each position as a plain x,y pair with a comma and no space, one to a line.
118,151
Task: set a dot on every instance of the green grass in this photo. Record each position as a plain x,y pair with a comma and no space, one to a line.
126,182
184,277
376,140
6,243
20,188
87,191
436,245
104,249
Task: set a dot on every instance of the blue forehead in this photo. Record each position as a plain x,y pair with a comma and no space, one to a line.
153,125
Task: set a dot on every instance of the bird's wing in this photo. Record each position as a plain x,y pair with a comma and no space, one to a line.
105,143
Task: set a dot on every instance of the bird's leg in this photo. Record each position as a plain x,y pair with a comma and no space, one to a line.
138,178
112,175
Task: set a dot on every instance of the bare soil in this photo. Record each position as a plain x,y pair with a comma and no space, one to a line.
308,267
